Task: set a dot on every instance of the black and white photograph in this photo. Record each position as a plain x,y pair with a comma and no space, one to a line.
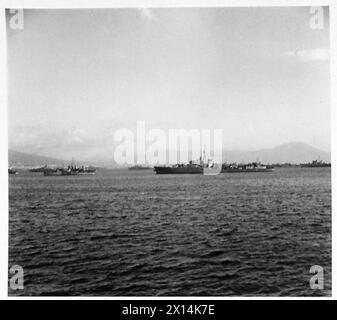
169,151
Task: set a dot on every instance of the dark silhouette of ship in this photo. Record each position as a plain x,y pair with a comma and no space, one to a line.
71,170
315,164
12,171
88,170
39,169
210,168
198,167
139,167
249,167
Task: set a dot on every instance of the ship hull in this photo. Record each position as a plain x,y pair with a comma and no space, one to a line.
59,173
40,169
52,173
178,170
245,170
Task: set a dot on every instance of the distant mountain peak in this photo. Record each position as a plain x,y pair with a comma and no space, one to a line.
22,159
292,152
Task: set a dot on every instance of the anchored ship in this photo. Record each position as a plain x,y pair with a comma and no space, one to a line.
60,172
86,170
191,168
71,170
12,171
139,167
315,164
211,168
39,169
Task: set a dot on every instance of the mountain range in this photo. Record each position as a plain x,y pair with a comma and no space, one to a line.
21,159
294,152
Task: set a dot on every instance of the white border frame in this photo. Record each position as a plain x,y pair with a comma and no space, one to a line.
68,4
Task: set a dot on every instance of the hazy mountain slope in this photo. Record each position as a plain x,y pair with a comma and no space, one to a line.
21,159
294,152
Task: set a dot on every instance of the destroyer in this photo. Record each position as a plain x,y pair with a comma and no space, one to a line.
190,168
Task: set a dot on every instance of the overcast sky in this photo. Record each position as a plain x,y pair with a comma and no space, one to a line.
75,76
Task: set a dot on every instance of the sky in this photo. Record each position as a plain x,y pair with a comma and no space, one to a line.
76,76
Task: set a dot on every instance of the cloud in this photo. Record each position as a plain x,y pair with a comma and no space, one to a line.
75,136
147,14
40,137
64,143
308,55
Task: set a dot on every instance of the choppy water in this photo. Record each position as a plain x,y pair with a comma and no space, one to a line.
128,233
